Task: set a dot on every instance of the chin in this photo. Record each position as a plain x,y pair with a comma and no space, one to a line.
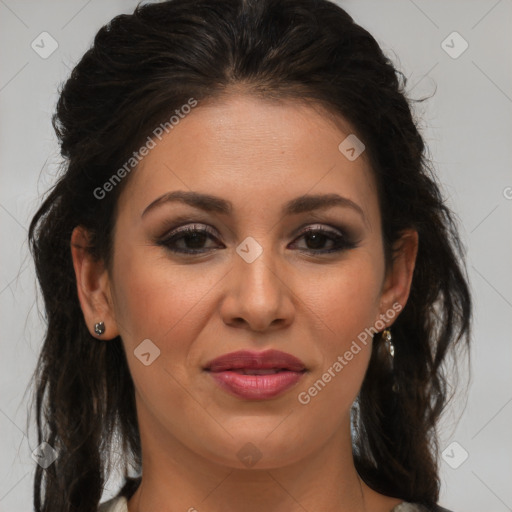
256,450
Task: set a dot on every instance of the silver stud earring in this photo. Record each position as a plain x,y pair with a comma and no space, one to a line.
388,339
99,328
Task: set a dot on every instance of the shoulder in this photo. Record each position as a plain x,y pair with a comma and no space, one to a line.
117,504
416,507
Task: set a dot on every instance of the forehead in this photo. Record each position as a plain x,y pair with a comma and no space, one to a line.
256,153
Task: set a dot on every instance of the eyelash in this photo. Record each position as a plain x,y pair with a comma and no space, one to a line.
342,241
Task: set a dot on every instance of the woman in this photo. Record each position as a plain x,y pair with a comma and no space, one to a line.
250,277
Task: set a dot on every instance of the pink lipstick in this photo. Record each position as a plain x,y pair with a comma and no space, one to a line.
256,375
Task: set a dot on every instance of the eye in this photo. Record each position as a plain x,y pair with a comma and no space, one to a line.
193,237
316,238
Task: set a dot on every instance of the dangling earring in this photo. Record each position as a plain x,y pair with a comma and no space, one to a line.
386,334
388,339
99,328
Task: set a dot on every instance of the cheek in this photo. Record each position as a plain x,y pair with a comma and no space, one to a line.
152,294
347,303
162,301
348,299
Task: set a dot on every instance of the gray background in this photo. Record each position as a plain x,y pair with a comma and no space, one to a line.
467,125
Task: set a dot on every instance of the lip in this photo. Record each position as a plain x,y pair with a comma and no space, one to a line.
246,359
228,371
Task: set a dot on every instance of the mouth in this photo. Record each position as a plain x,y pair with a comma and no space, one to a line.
256,363
256,376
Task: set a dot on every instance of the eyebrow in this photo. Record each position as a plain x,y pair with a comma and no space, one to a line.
210,203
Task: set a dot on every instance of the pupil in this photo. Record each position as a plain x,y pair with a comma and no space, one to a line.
197,240
318,240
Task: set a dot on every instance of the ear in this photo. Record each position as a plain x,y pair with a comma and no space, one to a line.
398,279
93,285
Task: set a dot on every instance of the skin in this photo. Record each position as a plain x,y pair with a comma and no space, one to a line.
258,155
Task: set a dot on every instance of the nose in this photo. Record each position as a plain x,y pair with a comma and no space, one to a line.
258,296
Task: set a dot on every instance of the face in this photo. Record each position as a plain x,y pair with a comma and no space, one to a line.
259,270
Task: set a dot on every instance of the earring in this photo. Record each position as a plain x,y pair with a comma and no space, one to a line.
386,334
99,328
388,339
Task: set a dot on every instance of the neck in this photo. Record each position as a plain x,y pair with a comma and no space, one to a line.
177,478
